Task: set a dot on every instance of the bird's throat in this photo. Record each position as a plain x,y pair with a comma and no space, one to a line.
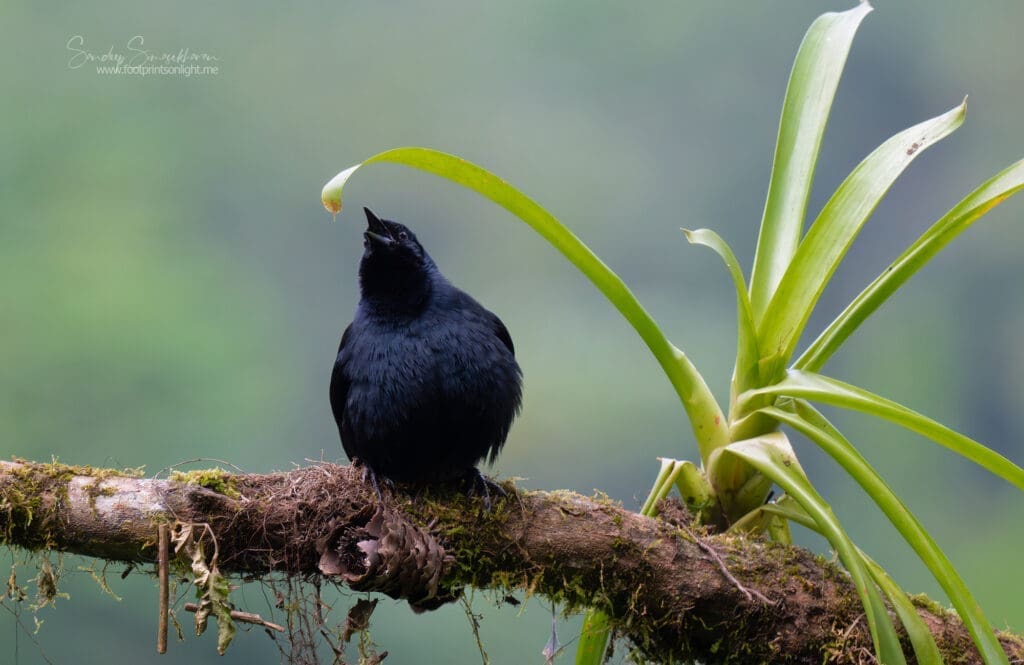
394,288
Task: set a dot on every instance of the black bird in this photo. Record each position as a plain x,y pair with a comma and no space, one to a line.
425,385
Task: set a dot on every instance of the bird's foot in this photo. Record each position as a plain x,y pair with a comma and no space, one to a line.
369,473
482,485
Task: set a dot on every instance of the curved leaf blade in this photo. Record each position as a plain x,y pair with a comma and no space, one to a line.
818,388
990,194
806,420
745,373
834,231
772,455
812,87
921,639
662,485
706,419
787,507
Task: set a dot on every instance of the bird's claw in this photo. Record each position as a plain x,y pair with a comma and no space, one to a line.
372,475
481,484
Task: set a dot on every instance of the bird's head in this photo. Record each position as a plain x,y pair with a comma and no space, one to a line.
394,242
395,266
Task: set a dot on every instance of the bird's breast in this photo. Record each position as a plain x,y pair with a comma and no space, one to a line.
426,364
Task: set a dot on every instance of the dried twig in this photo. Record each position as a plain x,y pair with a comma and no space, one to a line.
163,568
244,617
749,593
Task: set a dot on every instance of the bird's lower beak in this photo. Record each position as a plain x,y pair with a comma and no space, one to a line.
377,238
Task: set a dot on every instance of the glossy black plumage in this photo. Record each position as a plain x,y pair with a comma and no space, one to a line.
425,384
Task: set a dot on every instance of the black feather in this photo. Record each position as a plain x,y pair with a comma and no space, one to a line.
425,384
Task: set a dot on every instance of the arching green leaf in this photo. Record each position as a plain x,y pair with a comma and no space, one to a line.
980,201
818,388
812,87
833,232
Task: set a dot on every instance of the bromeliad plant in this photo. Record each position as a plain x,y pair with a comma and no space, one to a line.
743,455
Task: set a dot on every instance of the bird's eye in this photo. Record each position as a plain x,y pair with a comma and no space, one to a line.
402,235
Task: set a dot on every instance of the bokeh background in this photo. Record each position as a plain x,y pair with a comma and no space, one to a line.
171,288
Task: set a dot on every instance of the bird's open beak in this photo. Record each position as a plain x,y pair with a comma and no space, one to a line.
376,230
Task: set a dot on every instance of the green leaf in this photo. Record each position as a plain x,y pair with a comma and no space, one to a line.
806,420
772,455
744,375
778,530
818,388
812,87
706,419
832,234
662,486
978,203
785,506
593,638
738,487
693,488
921,639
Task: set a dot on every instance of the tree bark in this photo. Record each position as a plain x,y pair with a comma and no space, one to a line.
674,592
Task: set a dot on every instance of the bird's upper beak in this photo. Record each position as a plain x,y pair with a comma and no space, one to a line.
376,230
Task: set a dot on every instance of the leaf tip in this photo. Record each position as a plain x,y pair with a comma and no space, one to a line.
331,194
959,113
862,9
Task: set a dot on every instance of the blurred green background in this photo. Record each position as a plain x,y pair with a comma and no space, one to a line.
172,287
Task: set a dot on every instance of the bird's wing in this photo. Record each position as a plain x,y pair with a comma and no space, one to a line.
502,332
339,381
464,301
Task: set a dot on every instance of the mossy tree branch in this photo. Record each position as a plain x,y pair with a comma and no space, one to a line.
662,582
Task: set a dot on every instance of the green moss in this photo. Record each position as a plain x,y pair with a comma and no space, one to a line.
505,581
215,479
46,585
94,490
58,470
926,603
460,524
21,504
621,545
